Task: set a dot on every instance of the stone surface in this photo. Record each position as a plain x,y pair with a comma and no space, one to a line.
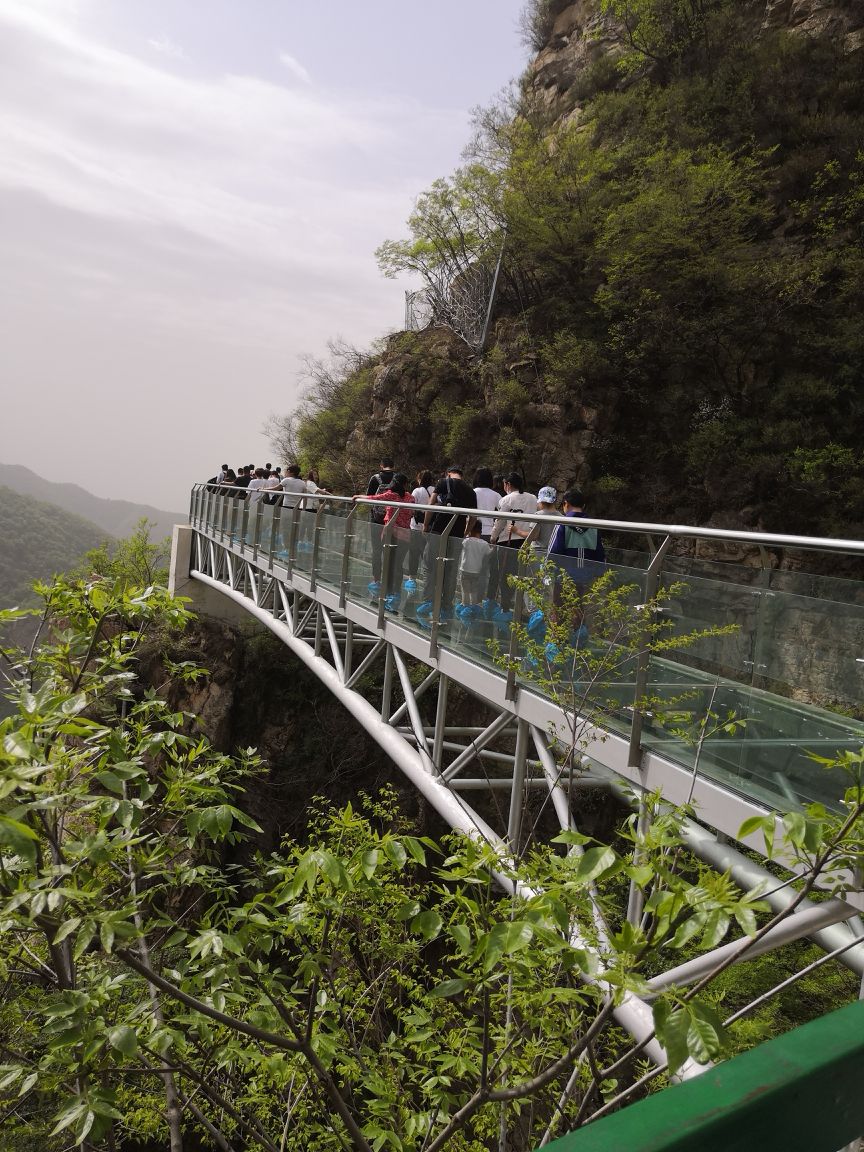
560,75
841,19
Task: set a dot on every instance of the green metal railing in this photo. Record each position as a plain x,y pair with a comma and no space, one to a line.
803,1092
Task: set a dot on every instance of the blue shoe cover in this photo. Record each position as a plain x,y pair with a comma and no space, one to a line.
391,603
579,638
490,607
410,585
536,626
424,609
373,587
502,616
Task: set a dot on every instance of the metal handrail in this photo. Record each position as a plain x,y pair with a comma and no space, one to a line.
636,527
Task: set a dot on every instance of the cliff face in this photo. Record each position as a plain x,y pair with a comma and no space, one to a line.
582,39
675,324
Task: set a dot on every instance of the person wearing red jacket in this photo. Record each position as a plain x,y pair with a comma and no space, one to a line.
400,537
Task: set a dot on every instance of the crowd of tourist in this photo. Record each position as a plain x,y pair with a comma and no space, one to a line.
490,535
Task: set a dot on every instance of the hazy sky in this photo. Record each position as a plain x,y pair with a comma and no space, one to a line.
191,193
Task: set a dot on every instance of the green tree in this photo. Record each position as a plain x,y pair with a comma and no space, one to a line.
133,561
367,988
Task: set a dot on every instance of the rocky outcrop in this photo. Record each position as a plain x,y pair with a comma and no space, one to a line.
582,39
843,20
584,45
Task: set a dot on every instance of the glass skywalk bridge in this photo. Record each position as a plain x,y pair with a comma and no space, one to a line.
793,670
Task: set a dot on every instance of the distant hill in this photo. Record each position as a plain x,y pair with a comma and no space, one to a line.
39,540
116,517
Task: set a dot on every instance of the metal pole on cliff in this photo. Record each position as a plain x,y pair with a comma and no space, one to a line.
492,295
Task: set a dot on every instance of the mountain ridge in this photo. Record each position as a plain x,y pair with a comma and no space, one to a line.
116,517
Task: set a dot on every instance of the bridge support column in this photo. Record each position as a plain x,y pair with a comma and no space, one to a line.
204,601
517,794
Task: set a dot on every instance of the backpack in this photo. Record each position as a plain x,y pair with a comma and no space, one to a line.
584,539
378,514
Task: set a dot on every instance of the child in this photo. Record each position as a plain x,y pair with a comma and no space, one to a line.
473,564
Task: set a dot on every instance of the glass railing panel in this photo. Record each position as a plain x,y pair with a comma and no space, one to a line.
476,603
305,540
770,758
233,517
811,649
264,529
331,538
793,647
594,673
214,512
698,604
364,558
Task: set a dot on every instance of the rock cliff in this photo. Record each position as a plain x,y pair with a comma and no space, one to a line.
674,329
582,40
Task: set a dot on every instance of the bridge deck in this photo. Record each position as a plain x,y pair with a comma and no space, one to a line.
789,648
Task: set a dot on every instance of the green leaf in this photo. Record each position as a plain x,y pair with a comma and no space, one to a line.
428,924
17,836
705,1036
106,935
746,918
461,933
716,927
67,928
796,827
395,853
415,848
506,938
370,862
570,837
8,1076
224,818
754,824
111,781
124,1039
691,927
70,1115
594,862
19,747
449,988
672,1026
29,1083
72,705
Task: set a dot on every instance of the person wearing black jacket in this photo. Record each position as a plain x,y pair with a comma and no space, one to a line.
450,492
381,481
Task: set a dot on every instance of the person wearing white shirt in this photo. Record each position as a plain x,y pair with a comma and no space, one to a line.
256,486
509,535
476,553
487,499
294,489
422,494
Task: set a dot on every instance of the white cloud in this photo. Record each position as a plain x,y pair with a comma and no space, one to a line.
295,67
242,161
165,46
173,243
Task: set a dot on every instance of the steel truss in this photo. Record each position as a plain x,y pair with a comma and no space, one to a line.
497,779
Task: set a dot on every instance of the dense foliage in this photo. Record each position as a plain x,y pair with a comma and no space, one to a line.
38,540
678,320
367,988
